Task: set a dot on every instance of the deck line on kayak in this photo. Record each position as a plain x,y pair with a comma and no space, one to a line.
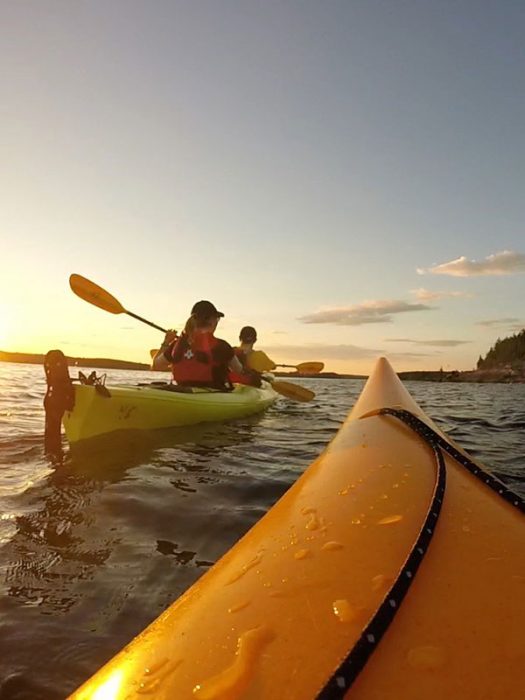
348,670
338,684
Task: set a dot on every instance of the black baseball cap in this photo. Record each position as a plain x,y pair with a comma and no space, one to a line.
205,309
248,334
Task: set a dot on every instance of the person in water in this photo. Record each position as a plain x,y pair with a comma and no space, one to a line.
254,362
197,357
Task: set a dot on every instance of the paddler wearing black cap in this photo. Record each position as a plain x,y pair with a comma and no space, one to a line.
197,357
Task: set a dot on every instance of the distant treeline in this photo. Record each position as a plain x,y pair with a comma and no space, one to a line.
94,362
508,352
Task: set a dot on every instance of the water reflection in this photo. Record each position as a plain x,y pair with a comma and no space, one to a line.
108,538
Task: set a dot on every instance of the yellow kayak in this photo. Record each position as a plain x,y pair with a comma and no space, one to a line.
393,569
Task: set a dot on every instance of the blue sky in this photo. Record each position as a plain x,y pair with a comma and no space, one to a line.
307,166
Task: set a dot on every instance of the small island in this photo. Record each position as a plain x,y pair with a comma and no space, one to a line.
503,363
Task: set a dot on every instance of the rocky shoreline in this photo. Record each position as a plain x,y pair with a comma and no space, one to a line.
492,376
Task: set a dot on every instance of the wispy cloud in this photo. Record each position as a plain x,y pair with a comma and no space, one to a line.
510,324
445,343
426,295
506,262
360,314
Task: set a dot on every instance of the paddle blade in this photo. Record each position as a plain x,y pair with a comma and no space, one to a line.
310,367
293,391
153,352
93,294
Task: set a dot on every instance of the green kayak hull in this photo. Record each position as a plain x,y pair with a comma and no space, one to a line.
146,408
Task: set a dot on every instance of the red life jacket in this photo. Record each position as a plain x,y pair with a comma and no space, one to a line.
194,365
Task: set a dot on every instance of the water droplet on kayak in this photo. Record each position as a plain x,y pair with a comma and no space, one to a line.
256,560
331,546
395,486
344,611
384,496
154,668
153,677
301,554
380,582
426,658
344,492
293,536
238,606
390,519
466,528
313,522
234,680
277,594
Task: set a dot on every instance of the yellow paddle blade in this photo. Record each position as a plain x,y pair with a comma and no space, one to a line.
93,294
153,352
260,362
310,367
293,391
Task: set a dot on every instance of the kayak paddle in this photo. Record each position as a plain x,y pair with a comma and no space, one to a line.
93,294
292,391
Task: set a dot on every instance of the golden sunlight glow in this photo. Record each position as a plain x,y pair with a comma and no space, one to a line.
109,690
5,323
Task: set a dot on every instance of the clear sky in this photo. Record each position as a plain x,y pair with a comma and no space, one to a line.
347,175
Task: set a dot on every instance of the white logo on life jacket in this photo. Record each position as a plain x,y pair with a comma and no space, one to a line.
188,354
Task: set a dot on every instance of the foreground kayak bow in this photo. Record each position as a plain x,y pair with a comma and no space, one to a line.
393,568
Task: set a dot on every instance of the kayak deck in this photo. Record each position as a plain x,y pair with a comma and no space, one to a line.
279,613
146,408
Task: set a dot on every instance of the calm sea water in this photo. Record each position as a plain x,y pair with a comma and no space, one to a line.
92,550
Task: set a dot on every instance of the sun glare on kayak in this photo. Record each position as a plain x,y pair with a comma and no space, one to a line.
109,690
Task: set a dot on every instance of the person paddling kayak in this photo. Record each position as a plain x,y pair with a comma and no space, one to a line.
197,357
254,362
